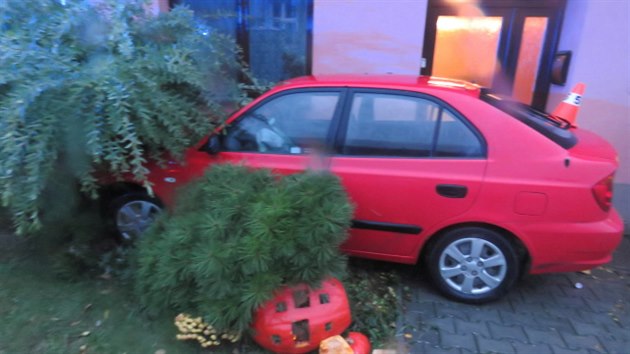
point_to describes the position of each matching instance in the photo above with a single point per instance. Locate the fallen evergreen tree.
(235, 236)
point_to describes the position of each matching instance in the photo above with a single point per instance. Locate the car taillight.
(603, 192)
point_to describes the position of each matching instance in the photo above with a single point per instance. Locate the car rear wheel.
(473, 264)
(132, 214)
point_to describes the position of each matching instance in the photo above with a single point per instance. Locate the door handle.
(452, 190)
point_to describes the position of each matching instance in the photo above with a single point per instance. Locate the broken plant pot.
(298, 318)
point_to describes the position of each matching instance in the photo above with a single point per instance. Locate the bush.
(85, 86)
(237, 235)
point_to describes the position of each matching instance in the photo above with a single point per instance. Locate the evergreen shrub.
(235, 236)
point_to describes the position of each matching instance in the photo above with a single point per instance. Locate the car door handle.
(452, 190)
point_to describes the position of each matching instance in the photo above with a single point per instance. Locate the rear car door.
(409, 163)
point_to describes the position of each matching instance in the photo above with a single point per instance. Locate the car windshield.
(554, 128)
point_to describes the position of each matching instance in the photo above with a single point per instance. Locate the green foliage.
(99, 86)
(80, 248)
(374, 301)
(235, 236)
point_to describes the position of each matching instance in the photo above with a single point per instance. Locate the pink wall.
(368, 36)
(598, 33)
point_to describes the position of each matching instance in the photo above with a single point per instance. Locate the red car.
(478, 188)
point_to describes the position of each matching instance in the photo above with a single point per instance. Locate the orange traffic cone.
(568, 109)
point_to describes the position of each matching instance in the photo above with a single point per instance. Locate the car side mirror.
(560, 68)
(213, 146)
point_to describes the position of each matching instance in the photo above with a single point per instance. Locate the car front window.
(289, 124)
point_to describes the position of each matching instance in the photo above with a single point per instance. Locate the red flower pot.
(298, 318)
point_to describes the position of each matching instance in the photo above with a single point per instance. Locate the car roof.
(401, 82)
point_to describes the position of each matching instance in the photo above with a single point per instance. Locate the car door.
(409, 162)
(284, 132)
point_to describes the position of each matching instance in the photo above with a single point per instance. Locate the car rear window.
(554, 128)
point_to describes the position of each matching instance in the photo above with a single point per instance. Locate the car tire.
(132, 213)
(473, 264)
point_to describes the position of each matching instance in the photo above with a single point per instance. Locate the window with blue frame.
(275, 35)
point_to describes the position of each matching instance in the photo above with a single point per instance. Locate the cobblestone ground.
(542, 314)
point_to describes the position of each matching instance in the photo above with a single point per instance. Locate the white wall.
(368, 36)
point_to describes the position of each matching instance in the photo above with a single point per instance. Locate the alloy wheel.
(134, 217)
(473, 266)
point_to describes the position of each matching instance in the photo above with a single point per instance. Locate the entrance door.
(507, 45)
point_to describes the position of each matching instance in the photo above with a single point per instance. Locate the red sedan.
(477, 188)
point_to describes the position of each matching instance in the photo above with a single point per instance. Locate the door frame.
(513, 13)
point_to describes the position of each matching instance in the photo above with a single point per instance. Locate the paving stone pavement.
(541, 314)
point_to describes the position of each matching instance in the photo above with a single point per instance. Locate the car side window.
(455, 139)
(390, 125)
(289, 124)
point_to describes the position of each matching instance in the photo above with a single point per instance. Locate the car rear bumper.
(569, 247)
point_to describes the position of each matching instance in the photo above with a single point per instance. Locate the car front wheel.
(133, 213)
(473, 264)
